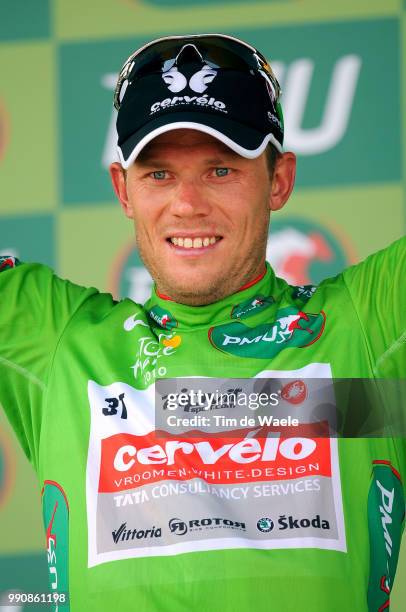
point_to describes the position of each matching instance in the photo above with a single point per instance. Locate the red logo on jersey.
(244, 455)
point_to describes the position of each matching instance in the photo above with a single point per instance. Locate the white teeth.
(193, 243)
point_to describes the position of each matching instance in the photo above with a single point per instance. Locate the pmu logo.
(386, 514)
(291, 328)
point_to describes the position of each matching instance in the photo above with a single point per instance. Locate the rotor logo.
(177, 526)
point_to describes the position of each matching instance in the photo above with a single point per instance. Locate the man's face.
(201, 215)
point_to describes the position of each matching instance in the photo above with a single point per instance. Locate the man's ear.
(283, 180)
(118, 179)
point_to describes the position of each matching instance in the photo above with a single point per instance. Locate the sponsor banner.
(28, 157)
(333, 115)
(216, 487)
(29, 238)
(25, 20)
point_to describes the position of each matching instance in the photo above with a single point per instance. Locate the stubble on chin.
(189, 290)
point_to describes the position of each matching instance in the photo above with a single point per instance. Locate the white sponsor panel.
(152, 492)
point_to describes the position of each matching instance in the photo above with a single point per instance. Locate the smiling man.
(201, 212)
(244, 503)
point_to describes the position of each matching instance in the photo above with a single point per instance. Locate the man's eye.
(222, 171)
(159, 174)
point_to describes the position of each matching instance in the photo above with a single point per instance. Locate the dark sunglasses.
(213, 49)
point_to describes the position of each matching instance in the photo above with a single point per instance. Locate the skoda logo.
(265, 525)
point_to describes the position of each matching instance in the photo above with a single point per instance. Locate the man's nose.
(189, 199)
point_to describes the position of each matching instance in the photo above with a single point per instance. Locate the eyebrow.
(148, 159)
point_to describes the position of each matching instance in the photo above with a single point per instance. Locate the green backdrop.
(342, 70)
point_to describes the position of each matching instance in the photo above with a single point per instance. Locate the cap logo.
(176, 81)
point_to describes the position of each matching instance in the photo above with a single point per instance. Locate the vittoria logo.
(122, 534)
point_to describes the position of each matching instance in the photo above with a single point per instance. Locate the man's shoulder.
(36, 287)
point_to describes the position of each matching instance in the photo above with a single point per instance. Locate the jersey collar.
(167, 314)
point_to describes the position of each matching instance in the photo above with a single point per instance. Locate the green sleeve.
(377, 287)
(35, 307)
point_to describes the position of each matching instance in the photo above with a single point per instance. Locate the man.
(149, 512)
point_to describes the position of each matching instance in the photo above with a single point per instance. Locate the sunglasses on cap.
(213, 49)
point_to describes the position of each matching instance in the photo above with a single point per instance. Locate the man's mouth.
(197, 242)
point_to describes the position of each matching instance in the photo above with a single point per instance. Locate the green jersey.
(244, 516)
